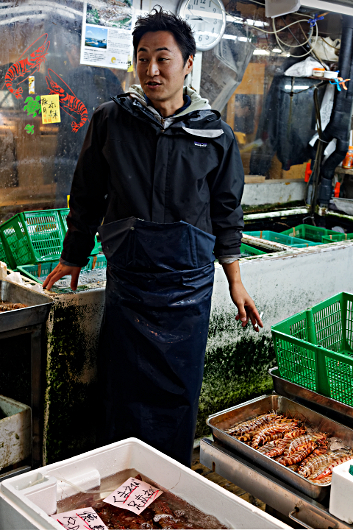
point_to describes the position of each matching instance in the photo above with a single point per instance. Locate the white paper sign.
(82, 519)
(107, 34)
(134, 495)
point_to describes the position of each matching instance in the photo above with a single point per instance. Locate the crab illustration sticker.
(50, 109)
(134, 495)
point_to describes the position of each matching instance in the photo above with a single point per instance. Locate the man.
(164, 172)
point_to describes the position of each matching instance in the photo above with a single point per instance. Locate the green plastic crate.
(314, 348)
(41, 270)
(337, 237)
(281, 238)
(246, 251)
(32, 237)
(4, 257)
(309, 232)
(63, 213)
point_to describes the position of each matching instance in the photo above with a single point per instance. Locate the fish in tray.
(292, 444)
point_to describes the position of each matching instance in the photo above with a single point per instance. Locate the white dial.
(207, 19)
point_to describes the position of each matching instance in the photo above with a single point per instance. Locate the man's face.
(160, 67)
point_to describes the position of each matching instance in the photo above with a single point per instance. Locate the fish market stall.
(237, 361)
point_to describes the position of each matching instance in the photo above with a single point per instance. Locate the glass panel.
(244, 79)
(42, 39)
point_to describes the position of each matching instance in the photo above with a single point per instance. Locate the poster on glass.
(106, 33)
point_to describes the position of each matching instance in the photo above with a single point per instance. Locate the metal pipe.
(264, 243)
(279, 213)
(343, 216)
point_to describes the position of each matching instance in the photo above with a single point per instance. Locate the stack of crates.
(41, 270)
(337, 237)
(314, 348)
(64, 212)
(246, 251)
(310, 233)
(34, 237)
(295, 242)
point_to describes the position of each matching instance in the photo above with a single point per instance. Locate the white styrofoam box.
(15, 432)
(341, 494)
(42, 492)
(3, 270)
(18, 511)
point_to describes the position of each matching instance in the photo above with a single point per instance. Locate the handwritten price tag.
(83, 519)
(134, 495)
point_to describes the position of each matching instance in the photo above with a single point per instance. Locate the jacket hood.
(197, 115)
(197, 102)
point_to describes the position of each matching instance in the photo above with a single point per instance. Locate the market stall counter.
(24, 311)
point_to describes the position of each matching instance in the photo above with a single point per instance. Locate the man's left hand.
(245, 304)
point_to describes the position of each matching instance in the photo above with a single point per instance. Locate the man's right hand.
(60, 271)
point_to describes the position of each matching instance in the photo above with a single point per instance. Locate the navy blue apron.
(154, 332)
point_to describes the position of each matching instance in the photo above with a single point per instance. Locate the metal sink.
(36, 312)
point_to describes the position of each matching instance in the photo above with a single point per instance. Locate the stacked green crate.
(281, 238)
(32, 237)
(40, 271)
(314, 348)
(247, 251)
(337, 237)
(64, 212)
(309, 232)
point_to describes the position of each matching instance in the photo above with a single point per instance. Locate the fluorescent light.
(328, 6)
(296, 87)
(261, 52)
(256, 23)
(235, 20)
(277, 50)
(234, 37)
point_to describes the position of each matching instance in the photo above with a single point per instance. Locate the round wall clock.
(207, 19)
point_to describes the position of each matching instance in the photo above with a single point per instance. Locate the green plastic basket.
(40, 271)
(314, 348)
(337, 237)
(247, 251)
(63, 213)
(281, 238)
(32, 237)
(3, 256)
(309, 232)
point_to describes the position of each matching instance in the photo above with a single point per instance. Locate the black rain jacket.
(132, 165)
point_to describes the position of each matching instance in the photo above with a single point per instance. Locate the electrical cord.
(319, 153)
(276, 31)
(279, 41)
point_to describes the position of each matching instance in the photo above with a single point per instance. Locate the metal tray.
(36, 312)
(261, 405)
(324, 405)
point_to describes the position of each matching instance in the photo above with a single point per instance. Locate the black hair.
(159, 20)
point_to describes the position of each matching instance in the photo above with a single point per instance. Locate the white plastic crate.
(25, 506)
(15, 432)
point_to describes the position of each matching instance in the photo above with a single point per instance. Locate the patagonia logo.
(199, 144)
